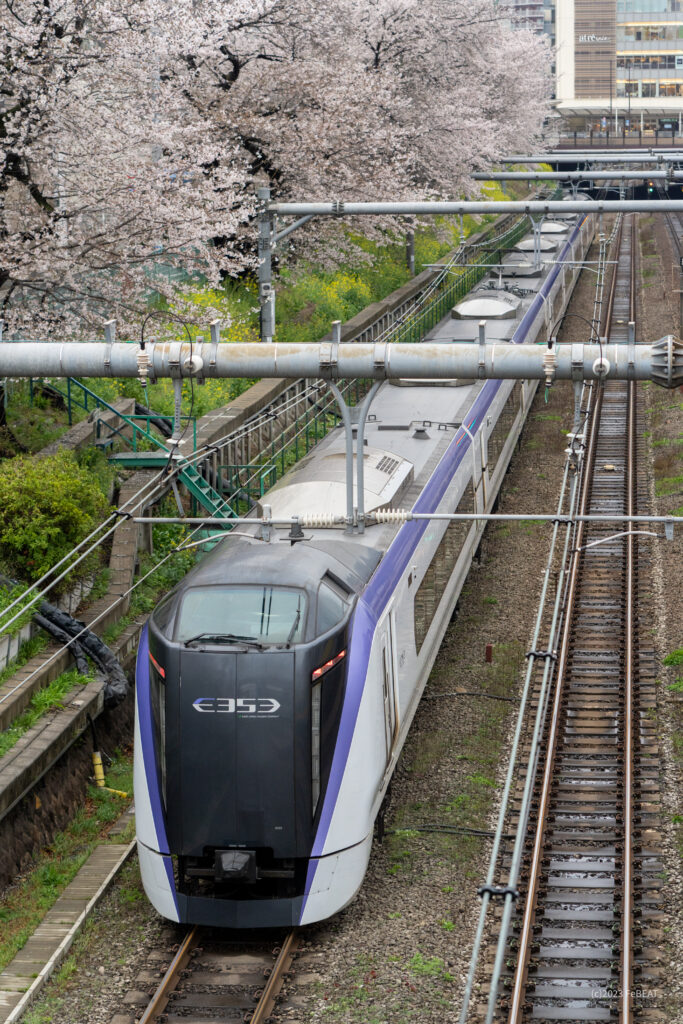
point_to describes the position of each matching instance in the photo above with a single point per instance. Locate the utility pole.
(266, 293)
(410, 251)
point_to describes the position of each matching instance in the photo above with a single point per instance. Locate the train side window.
(331, 608)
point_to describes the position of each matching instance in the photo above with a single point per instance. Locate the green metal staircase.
(207, 496)
(209, 499)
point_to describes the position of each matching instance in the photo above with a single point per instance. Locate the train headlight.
(316, 703)
(322, 669)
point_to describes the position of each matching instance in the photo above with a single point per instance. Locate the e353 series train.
(277, 683)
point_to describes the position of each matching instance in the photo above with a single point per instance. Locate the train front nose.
(233, 781)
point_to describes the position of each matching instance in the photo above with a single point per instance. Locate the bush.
(46, 507)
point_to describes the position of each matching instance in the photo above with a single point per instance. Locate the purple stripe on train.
(149, 758)
(376, 596)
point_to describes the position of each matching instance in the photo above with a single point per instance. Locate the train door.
(389, 687)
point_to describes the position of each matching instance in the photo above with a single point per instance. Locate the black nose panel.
(236, 745)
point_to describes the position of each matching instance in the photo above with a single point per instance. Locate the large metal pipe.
(617, 174)
(599, 156)
(537, 206)
(661, 361)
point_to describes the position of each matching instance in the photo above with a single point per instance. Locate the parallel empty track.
(583, 945)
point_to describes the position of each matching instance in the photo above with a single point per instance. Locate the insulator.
(319, 519)
(391, 515)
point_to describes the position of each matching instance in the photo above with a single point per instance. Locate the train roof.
(244, 559)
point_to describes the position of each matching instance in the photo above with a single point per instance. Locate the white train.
(277, 683)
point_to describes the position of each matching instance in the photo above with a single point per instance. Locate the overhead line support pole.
(265, 267)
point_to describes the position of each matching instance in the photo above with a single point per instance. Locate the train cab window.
(163, 614)
(267, 615)
(332, 608)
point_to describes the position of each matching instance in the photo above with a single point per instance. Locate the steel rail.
(168, 983)
(405, 516)
(275, 979)
(613, 175)
(656, 155)
(525, 938)
(582, 415)
(535, 748)
(627, 898)
(266, 998)
(526, 932)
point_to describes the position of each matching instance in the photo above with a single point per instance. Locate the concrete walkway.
(25, 976)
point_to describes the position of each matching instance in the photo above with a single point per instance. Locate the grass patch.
(669, 485)
(35, 424)
(48, 699)
(675, 658)
(8, 595)
(28, 650)
(430, 967)
(25, 904)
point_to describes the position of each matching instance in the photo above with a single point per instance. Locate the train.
(277, 682)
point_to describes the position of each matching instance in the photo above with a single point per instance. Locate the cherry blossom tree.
(134, 133)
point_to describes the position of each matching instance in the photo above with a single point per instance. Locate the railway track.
(674, 224)
(211, 978)
(583, 936)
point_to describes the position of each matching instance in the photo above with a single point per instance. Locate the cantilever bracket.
(355, 515)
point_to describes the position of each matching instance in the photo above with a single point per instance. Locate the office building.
(619, 64)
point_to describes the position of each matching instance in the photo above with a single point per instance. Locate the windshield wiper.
(295, 625)
(224, 638)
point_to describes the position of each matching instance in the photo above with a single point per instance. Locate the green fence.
(458, 282)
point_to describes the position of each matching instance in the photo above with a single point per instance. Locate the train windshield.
(266, 615)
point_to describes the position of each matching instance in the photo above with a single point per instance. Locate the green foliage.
(675, 658)
(46, 507)
(94, 462)
(8, 595)
(27, 650)
(167, 571)
(669, 485)
(431, 967)
(45, 700)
